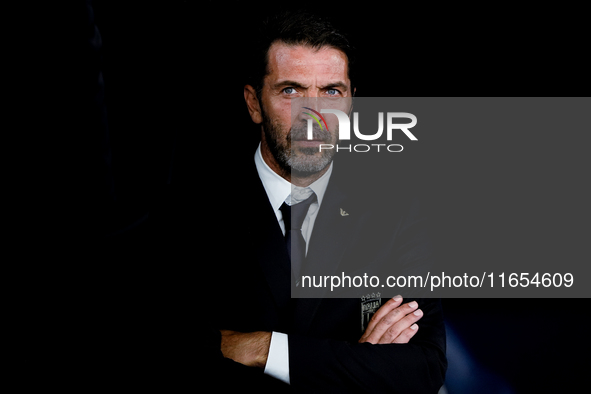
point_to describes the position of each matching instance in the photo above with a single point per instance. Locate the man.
(315, 344)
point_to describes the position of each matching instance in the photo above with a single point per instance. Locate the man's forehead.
(303, 61)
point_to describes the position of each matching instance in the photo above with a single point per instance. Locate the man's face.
(301, 71)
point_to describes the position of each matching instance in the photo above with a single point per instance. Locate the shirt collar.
(278, 189)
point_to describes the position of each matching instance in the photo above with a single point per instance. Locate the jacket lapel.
(333, 229)
(268, 245)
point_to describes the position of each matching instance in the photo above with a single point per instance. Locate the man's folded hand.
(394, 322)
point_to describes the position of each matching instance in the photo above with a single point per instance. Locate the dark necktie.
(293, 217)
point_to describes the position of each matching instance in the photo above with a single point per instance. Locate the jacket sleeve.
(328, 365)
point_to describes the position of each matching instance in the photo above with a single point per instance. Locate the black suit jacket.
(253, 277)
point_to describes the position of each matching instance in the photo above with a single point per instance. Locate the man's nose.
(311, 101)
(307, 105)
(312, 93)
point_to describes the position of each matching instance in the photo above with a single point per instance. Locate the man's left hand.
(248, 348)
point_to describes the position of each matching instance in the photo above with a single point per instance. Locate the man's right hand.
(394, 322)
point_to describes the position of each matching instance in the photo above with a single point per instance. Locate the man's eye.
(332, 92)
(289, 90)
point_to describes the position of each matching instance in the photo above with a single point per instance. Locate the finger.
(380, 313)
(407, 334)
(389, 320)
(390, 335)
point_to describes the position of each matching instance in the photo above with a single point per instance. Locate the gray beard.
(304, 162)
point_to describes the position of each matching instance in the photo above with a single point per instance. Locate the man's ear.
(253, 105)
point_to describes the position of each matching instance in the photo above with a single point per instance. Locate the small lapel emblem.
(343, 213)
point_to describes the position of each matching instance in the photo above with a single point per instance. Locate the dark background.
(173, 123)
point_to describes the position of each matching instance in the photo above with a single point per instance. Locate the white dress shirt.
(279, 191)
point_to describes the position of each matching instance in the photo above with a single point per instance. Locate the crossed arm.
(394, 322)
